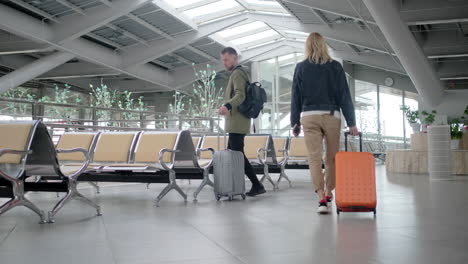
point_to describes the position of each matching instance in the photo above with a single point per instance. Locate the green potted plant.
(413, 117)
(61, 96)
(429, 118)
(456, 133)
(18, 93)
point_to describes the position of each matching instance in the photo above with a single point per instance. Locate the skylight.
(197, 9)
(258, 36)
(296, 33)
(264, 3)
(244, 36)
(282, 58)
(181, 3)
(241, 29)
(211, 8)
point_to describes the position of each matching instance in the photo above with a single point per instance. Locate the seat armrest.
(286, 156)
(85, 163)
(206, 150)
(265, 153)
(11, 151)
(161, 157)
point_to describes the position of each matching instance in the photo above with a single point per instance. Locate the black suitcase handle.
(346, 134)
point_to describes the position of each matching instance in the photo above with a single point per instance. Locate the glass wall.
(378, 113)
(276, 75)
(391, 117)
(366, 105)
(267, 78)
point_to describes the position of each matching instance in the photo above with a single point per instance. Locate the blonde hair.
(316, 49)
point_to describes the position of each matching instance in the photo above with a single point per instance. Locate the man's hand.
(353, 131)
(223, 110)
(296, 130)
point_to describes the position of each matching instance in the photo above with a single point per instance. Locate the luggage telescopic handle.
(346, 140)
(219, 135)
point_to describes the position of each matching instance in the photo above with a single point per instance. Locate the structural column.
(411, 56)
(33, 70)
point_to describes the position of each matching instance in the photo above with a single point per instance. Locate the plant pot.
(455, 144)
(416, 127)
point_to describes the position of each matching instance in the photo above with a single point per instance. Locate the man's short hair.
(229, 50)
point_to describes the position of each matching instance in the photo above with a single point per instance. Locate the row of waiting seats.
(27, 153)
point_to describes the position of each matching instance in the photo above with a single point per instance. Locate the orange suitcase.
(355, 180)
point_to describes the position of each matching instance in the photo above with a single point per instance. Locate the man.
(237, 125)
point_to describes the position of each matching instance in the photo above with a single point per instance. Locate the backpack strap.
(239, 67)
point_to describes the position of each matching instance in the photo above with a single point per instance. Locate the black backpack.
(255, 97)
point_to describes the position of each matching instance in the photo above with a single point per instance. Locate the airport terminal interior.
(110, 132)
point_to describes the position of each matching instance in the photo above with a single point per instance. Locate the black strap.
(239, 67)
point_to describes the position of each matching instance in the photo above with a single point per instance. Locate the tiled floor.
(418, 221)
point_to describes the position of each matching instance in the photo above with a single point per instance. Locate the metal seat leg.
(68, 197)
(90, 203)
(180, 191)
(171, 186)
(72, 194)
(26, 203)
(283, 176)
(266, 175)
(9, 205)
(20, 200)
(15, 202)
(163, 193)
(206, 181)
(95, 185)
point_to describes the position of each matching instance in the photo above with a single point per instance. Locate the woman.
(320, 93)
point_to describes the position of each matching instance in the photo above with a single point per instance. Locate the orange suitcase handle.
(346, 134)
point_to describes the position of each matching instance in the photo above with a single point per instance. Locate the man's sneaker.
(323, 208)
(329, 200)
(256, 190)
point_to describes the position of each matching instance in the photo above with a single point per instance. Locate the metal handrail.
(156, 117)
(11, 100)
(54, 125)
(367, 136)
(139, 120)
(116, 120)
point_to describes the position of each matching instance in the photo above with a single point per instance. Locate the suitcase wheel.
(231, 197)
(338, 211)
(243, 196)
(218, 197)
(375, 212)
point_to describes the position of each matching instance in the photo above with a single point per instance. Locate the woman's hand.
(296, 130)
